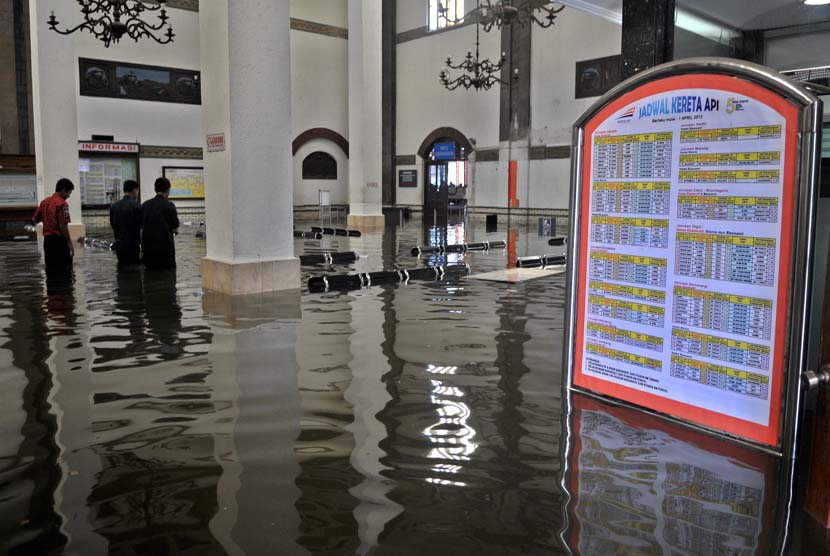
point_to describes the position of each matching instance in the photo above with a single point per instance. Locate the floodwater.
(139, 416)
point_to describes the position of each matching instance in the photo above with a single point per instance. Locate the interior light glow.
(816, 2)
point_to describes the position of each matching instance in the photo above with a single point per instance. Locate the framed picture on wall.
(186, 182)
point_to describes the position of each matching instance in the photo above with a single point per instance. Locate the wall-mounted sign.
(215, 142)
(99, 147)
(684, 261)
(185, 182)
(444, 151)
(407, 178)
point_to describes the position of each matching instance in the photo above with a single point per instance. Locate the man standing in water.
(125, 219)
(159, 221)
(54, 213)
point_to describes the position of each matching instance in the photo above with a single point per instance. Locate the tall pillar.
(246, 108)
(647, 34)
(54, 65)
(365, 114)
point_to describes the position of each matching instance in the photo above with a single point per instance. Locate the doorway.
(446, 179)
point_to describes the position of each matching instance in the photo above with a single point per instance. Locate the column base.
(77, 230)
(366, 222)
(244, 278)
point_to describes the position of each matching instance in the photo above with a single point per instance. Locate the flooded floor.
(138, 416)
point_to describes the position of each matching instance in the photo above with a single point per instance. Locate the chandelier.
(109, 20)
(477, 73)
(505, 12)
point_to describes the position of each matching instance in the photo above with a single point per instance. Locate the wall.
(319, 83)
(797, 51)
(319, 89)
(425, 105)
(305, 191)
(554, 106)
(141, 121)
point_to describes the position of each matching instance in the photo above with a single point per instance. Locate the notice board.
(687, 187)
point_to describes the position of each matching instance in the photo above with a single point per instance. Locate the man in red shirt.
(54, 213)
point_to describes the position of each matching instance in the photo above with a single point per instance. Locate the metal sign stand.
(640, 97)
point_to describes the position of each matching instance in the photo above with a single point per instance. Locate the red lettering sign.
(215, 142)
(130, 148)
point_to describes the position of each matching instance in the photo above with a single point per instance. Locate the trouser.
(56, 253)
(128, 255)
(159, 260)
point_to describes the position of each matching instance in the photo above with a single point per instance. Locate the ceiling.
(740, 14)
(757, 14)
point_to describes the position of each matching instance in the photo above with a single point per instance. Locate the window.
(319, 166)
(454, 11)
(102, 179)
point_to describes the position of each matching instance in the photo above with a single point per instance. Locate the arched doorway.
(446, 171)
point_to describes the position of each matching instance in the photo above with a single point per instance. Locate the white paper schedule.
(683, 227)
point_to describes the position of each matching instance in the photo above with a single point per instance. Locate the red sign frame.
(771, 433)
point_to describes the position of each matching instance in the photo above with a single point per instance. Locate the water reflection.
(29, 473)
(639, 485)
(139, 416)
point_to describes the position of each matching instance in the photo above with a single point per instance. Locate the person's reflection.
(164, 315)
(639, 484)
(60, 301)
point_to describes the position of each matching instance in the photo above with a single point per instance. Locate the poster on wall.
(185, 182)
(684, 249)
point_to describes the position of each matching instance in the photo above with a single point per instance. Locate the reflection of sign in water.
(639, 485)
(185, 183)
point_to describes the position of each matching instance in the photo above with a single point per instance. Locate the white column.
(365, 125)
(54, 86)
(246, 96)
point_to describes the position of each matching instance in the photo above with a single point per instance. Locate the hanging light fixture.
(504, 12)
(476, 73)
(109, 20)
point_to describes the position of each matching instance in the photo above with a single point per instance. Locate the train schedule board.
(686, 286)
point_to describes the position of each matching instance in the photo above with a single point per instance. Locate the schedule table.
(608, 333)
(634, 269)
(731, 159)
(747, 133)
(616, 355)
(643, 155)
(729, 176)
(632, 197)
(628, 292)
(735, 314)
(630, 311)
(737, 209)
(749, 260)
(717, 376)
(722, 349)
(641, 232)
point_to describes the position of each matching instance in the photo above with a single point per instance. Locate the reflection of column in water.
(71, 368)
(28, 448)
(254, 367)
(368, 395)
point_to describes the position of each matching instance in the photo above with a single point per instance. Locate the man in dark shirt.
(54, 213)
(125, 219)
(158, 222)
